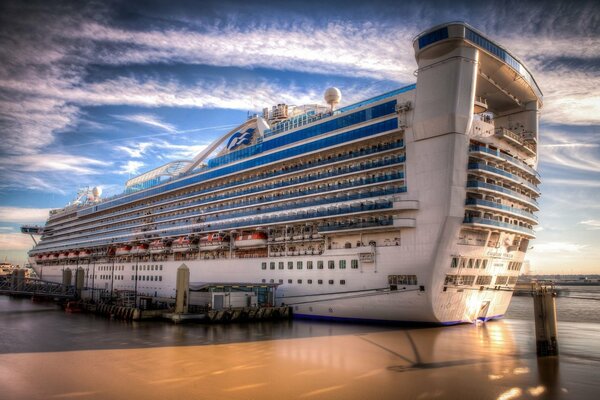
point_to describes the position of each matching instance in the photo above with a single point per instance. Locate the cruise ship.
(415, 205)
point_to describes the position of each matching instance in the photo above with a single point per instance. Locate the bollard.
(79, 279)
(182, 291)
(544, 306)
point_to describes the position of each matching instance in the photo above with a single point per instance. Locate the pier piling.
(544, 306)
(183, 289)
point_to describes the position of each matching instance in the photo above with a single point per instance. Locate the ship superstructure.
(415, 205)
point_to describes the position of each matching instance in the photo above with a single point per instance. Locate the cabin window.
(280, 264)
(354, 264)
(289, 281)
(331, 281)
(320, 281)
(342, 282)
(331, 264)
(299, 280)
(454, 263)
(309, 265)
(264, 265)
(299, 265)
(272, 265)
(342, 264)
(290, 265)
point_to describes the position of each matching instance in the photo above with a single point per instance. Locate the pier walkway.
(21, 286)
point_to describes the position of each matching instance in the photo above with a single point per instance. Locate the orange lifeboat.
(63, 256)
(53, 256)
(214, 241)
(73, 254)
(183, 245)
(140, 249)
(85, 254)
(158, 247)
(123, 250)
(255, 239)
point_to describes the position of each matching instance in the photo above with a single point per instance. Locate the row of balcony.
(504, 225)
(515, 178)
(383, 148)
(499, 189)
(514, 161)
(512, 210)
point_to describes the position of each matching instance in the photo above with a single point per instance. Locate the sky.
(93, 93)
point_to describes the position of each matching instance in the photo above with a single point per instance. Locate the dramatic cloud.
(130, 168)
(147, 119)
(23, 215)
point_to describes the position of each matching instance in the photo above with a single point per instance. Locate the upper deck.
(507, 81)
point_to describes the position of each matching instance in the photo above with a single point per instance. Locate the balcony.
(511, 210)
(497, 171)
(477, 221)
(499, 189)
(514, 161)
(517, 140)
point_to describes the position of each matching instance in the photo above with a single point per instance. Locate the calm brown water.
(46, 353)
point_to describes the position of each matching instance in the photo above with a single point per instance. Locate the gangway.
(13, 285)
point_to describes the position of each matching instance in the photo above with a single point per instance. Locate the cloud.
(586, 183)
(15, 241)
(147, 119)
(557, 247)
(77, 165)
(571, 150)
(591, 224)
(130, 168)
(22, 215)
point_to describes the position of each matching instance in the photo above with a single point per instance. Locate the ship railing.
(505, 225)
(515, 139)
(508, 158)
(257, 221)
(496, 188)
(379, 179)
(338, 198)
(513, 210)
(355, 155)
(498, 171)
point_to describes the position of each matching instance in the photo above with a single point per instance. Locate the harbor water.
(46, 353)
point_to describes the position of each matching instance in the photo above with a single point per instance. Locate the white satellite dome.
(333, 96)
(97, 191)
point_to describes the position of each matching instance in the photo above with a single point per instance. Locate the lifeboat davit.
(255, 239)
(123, 251)
(183, 245)
(73, 254)
(158, 247)
(214, 241)
(140, 249)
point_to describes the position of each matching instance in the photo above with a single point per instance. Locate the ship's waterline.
(415, 205)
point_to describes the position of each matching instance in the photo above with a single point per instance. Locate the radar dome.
(333, 96)
(97, 191)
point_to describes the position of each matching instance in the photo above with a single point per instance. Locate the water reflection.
(98, 359)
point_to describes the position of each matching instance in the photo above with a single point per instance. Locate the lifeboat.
(85, 254)
(158, 247)
(63, 256)
(39, 257)
(183, 245)
(53, 256)
(73, 254)
(123, 250)
(140, 249)
(255, 239)
(214, 241)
